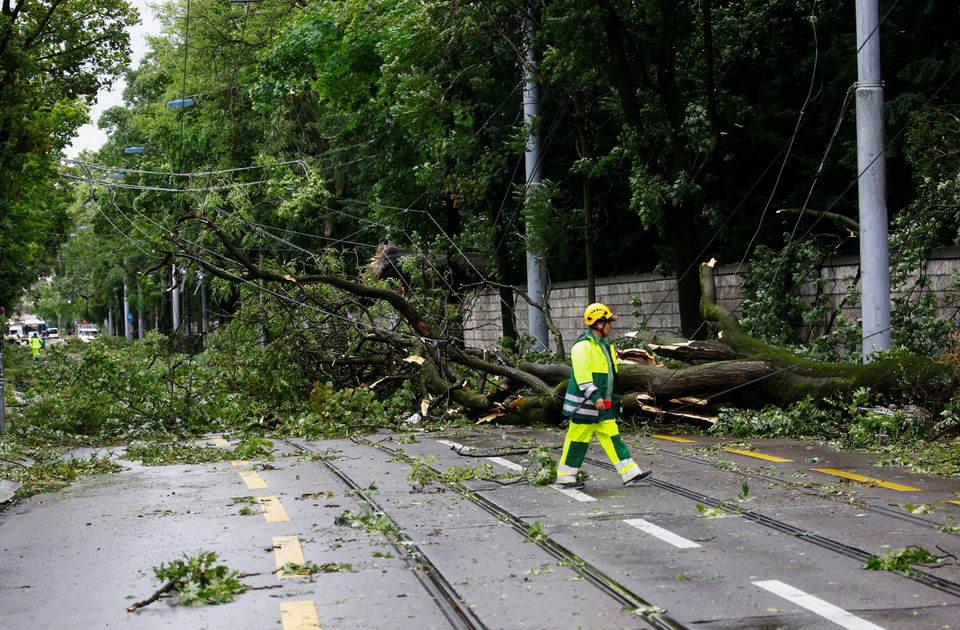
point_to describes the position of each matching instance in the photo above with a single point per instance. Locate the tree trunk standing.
(589, 238)
(678, 216)
(681, 232)
(589, 241)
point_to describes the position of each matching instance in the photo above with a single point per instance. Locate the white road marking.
(456, 445)
(665, 535)
(506, 463)
(816, 605)
(574, 494)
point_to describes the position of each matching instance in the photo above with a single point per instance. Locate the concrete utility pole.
(872, 185)
(536, 265)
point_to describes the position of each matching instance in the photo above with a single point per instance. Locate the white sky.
(89, 136)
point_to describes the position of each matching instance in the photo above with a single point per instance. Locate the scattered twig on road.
(166, 588)
(462, 452)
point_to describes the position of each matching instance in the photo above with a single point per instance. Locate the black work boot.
(636, 479)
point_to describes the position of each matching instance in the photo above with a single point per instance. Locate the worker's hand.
(600, 404)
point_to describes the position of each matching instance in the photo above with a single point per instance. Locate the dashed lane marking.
(837, 615)
(769, 458)
(506, 463)
(286, 549)
(663, 534)
(300, 615)
(219, 442)
(253, 480)
(672, 438)
(273, 510)
(869, 480)
(574, 494)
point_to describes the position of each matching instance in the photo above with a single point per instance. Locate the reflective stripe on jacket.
(594, 377)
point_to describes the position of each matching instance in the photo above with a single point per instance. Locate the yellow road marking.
(219, 442)
(239, 462)
(253, 480)
(273, 510)
(299, 616)
(672, 439)
(954, 502)
(769, 458)
(869, 480)
(287, 549)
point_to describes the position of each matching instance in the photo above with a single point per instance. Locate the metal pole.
(536, 266)
(139, 312)
(3, 336)
(175, 298)
(127, 319)
(871, 169)
(204, 300)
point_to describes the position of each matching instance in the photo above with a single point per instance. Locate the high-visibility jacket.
(36, 343)
(595, 377)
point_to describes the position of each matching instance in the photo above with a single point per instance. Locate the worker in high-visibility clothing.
(592, 402)
(35, 344)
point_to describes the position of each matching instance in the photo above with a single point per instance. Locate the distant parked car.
(53, 333)
(87, 334)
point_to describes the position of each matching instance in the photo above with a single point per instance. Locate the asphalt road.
(787, 553)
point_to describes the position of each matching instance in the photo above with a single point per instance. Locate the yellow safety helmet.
(596, 312)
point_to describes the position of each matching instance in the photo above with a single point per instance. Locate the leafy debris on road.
(310, 568)
(904, 560)
(195, 581)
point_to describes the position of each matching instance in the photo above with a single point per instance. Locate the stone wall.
(656, 298)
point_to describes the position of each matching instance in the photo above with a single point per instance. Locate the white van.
(88, 333)
(14, 333)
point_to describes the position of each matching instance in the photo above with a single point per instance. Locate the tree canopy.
(55, 56)
(672, 131)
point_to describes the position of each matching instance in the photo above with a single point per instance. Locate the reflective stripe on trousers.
(577, 442)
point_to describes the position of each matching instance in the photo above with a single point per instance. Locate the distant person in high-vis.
(35, 344)
(592, 402)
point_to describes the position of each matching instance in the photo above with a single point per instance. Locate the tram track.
(942, 584)
(803, 489)
(619, 593)
(927, 579)
(453, 607)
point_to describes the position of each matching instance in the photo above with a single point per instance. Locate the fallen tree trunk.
(734, 368)
(741, 370)
(793, 378)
